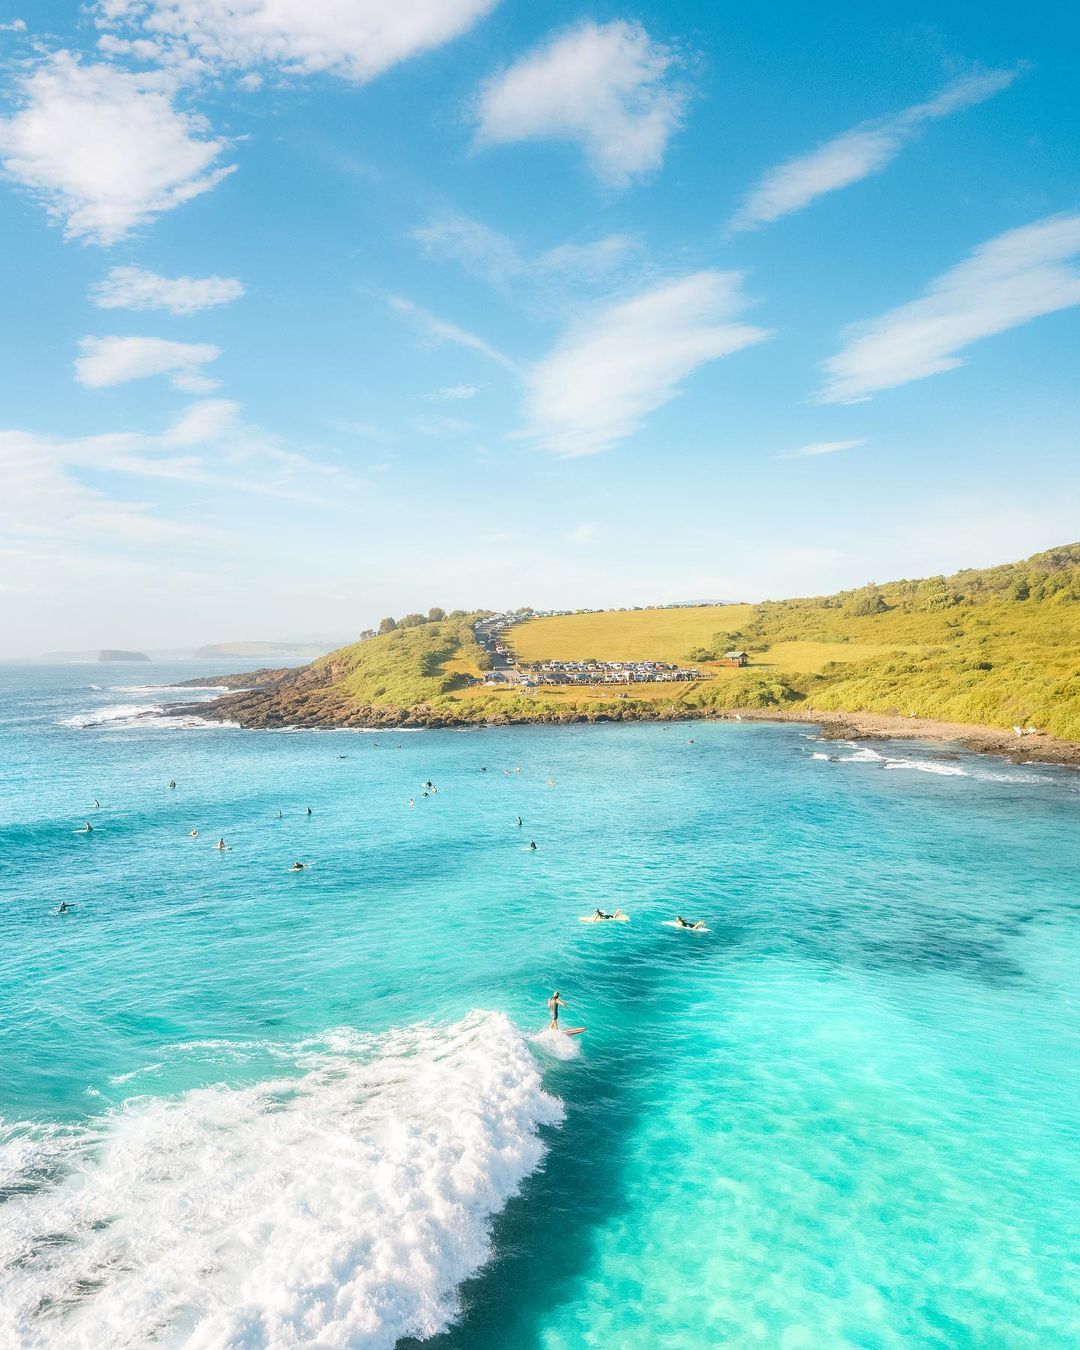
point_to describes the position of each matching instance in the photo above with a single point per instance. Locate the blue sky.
(316, 313)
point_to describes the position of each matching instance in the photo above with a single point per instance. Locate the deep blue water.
(248, 1107)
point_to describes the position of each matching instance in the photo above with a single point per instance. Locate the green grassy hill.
(997, 646)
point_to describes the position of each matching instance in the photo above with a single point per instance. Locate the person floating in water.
(194, 834)
(298, 867)
(554, 1003)
(411, 802)
(680, 922)
(220, 845)
(532, 845)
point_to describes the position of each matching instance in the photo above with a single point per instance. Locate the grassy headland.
(994, 647)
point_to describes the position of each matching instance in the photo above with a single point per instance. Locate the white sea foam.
(557, 1044)
(118, 712)
(928, 766)
(337, 1206)
(142, 715)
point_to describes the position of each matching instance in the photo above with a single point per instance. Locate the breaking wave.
(866, 755)
(339, 1205)
(142, 715)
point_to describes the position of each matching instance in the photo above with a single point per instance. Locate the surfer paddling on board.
(680, 922)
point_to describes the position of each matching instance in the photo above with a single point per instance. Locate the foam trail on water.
(337, 1207)
(557, 1044)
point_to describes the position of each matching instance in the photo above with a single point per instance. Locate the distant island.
(116, 654)
(989, 656)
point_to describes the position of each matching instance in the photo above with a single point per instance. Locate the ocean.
(242, 1106)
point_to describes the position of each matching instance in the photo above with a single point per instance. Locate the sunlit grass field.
(627, 635)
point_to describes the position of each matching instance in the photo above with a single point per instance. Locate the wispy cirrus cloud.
(354, 39)
(138, 288)
(438, 330)
(106, 150)
(629, 357)
(454, 393)
(820, 448)
(608, 87)
(1007, 281)
(496, 259)
(856, 154)
(107, 361)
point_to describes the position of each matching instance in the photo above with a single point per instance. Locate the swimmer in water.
(554, 1003)
(220, 846)
(411, 802)
(298, 867)
(194, 834)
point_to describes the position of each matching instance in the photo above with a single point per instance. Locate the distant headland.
(987, 656)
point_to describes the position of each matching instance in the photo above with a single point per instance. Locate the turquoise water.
(248, 1107)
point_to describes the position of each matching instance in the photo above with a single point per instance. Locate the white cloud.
(628, 358)
(858, 153)
(1004, 283)
(15, 26)
(584, 534)
(115, 360)
(455, 392)
(496, 259)
(105, 150)
(820, 448)
(203, 422)
(356, 39)
(593, 260)
(438, 330)
(139, 288)
(604, 86)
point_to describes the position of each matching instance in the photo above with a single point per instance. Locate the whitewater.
(243, 1108)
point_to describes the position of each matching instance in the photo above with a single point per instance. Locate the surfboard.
(591, 918)
(670, 923)
(573, 1031)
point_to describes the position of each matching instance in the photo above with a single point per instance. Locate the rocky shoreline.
(271, 699)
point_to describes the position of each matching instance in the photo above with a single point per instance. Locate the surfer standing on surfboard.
(554, 1004)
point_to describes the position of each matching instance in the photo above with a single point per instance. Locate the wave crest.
(339, 1206)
